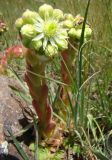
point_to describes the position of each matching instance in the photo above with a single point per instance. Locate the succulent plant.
(45, 34)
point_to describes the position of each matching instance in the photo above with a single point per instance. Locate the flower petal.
(57, 39)
(40, 36)
(62, 43)
(61, 36)
(38, 24)
(38, 29)
(45, 43)
(40, 20)
(53, 42)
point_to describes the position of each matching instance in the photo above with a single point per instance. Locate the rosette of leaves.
(43, 31)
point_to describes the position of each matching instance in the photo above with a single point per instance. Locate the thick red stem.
(39, 92)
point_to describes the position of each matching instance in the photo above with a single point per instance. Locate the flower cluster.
(47, 31)
(43, 31)
(74, 26)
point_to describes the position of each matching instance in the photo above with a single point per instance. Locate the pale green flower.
(28, 31)
(88, 32)
(45, 11)
(68, 17)
(68, 24)
(51, 51)
(76, 33)
(29, 16)
(44, 29)
(58, 14)
(62, 44)
(74, 26)
(19, 23)
(36, 45)
(72, 32)
(51, 31)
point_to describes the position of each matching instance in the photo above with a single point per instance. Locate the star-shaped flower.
(43, 31)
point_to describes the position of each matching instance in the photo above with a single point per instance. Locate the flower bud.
(62, 44)
(45, 11)
(28, 31)
(51, 51)
(19, 23)
(88, 32)
(75, 33)
(68, 24)
(29, 16)
(64, 33)
(69, 17)
(72, 32)
(36, 45)
(58, 14)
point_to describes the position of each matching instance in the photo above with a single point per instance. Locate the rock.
(10, 108)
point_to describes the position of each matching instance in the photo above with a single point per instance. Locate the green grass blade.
(23, 95)
(79, 74)
(47, 78)
(18, 79)
(80, 46)
(36, 139)
(19, 148)
(92, 126)
(100, 155)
